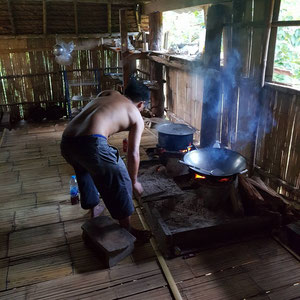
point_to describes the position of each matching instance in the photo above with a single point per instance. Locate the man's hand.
(137, 190)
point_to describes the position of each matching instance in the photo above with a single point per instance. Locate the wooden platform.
(42, 255)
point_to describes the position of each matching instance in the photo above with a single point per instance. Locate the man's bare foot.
(142, 236)
(97, 210)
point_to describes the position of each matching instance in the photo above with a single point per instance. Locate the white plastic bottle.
(74, 191)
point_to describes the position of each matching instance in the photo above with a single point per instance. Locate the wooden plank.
(30, 164)
(3, 273)
(17, 201)
(43, 173)
(75, 16)
(71, 212)
(109, 18)
(11, 17)
(42, 266)
(6, 221)
(44, 17)
(3, 245)
(43, 184)
(237, 286)
(32, 217)
(101, 284)
(36, 239)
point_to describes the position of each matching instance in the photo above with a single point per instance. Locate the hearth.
(187, 212)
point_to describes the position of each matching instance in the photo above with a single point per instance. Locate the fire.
(197, 176)
(188, 149)
(224, 180)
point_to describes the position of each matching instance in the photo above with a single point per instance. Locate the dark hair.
(137, 91)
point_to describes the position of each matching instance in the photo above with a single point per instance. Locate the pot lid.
(175, 129)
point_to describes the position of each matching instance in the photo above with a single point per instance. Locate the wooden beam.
(44, 17)
(285, 23)
(123, 29)
(156, 70)
(137, 17)
(11, 18)
(132, 2)
(155, 31)
(109, 18)
(124, 47)
(73, 35)
(166, 5)
(75, 17)
(267, 41)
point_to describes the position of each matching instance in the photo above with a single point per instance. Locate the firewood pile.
(259, 199)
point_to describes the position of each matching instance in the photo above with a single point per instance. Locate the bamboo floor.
(42, 255)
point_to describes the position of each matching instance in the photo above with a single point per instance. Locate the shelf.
(82, 98)
(82, 83)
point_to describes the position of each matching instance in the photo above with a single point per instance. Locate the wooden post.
(129, 65)
(211, 93)
(156, 69)
(75, 17)
(155, 31)
(273, 37)
(44, 17)
(109, 18)
(11, 18)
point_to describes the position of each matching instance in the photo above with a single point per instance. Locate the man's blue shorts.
(98, 167)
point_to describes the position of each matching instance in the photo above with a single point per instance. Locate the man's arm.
(133, 157)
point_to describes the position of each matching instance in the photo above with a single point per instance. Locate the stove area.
(188, 211)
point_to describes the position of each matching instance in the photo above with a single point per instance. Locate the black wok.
(215, 161)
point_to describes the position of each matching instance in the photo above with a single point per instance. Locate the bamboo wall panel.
(278, 140)
(185, 95)
(34, 77)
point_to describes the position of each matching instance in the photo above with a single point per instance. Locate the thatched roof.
(37, 17)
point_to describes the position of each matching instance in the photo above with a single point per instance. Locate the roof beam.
(75, 17)
(11, 18)
(44, 17)
(105, 1)
(84, 35)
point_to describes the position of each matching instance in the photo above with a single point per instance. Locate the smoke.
(241, 103)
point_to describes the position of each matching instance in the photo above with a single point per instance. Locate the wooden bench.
(5, 120)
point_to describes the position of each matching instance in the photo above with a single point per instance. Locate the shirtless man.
(98, 166)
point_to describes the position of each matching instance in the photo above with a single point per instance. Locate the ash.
(188, 211)
(180, 210)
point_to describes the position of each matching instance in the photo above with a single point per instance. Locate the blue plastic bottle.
(74, 191)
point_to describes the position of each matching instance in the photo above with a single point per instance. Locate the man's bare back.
(106, 115)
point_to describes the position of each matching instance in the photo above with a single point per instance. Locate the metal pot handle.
(200, 170)
(244, 171)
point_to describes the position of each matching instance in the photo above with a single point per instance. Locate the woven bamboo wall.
(61, 17)
(241, 110)
(278, 143)
(34, 77)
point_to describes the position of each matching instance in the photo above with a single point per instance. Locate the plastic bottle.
(74, 191)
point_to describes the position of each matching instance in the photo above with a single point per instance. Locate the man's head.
(138, 93)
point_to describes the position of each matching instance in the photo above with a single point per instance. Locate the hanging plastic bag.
(62, 52)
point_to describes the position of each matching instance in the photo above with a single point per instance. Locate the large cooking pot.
(174, 136)
(215, 161)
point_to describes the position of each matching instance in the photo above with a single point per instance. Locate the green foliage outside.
(287, 51)
(188, 28)
(184, 28)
